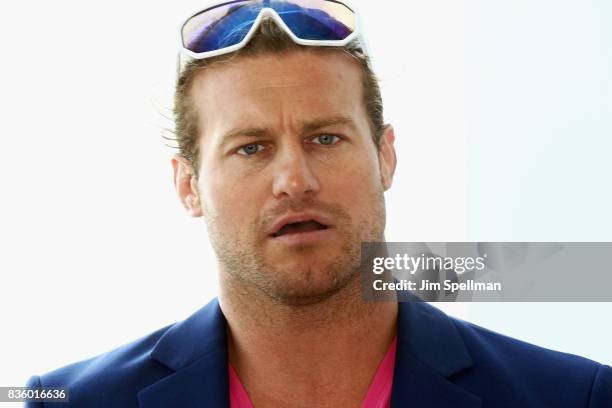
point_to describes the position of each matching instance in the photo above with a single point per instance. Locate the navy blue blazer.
(440, 362)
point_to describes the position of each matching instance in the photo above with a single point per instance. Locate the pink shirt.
(378, 396)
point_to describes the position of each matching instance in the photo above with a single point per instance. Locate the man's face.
(290, 179)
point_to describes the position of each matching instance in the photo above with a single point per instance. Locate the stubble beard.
(242, 257)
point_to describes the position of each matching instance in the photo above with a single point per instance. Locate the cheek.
(356, 186)
(230, 197)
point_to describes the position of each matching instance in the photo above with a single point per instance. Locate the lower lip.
(308, 237)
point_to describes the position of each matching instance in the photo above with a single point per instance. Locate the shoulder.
(115, 378)
(543, 374)
(485, 344)
(111, 376)
(500, 370)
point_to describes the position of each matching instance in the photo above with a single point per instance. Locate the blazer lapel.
(429, 351)
(196, 349)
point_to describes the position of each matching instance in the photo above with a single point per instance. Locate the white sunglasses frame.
(268, 12)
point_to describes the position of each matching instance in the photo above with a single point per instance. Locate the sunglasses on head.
(228, 26)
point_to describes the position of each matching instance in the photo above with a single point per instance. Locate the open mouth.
(299, 227)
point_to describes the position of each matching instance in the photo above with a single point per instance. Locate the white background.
(503, 119)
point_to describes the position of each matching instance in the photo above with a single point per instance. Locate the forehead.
(273, 90)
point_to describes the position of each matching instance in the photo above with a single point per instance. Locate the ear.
(386, 156)
(185, 182)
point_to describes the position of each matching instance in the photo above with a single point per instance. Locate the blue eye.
(250, 149)
(326, 139)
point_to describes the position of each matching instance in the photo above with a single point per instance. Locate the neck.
(320, 353)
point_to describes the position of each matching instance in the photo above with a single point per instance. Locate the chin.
(302, 285)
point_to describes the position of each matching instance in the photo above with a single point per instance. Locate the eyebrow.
(324, 122)
(310, 126)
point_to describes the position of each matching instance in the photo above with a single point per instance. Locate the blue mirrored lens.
(228, 24)
(220, 27)
(310, 23)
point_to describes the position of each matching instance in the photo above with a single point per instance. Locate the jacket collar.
(196, 349)
(187, 341)
(430, 349)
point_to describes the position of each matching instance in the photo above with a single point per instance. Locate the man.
(284, 154)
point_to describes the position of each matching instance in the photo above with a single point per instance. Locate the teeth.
(297, 227)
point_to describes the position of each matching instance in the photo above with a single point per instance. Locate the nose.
(294, 176)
